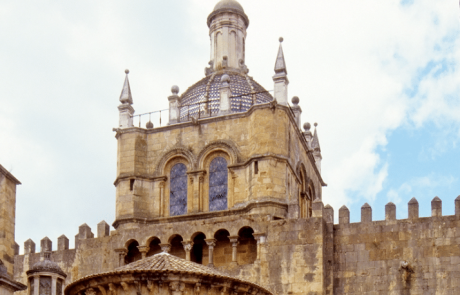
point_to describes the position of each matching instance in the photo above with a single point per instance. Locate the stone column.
(162, 198)
(200, 192)
(165, 247)
(188, 245)
(121, 256)
(36, 285)
(211, 244)
(260, 238)
(234, 241)
(144, 250)
(53, 285)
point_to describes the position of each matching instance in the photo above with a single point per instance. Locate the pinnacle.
(280, 65)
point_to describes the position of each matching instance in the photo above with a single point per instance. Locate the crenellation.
(436, 207)
(63, 243)
(412, 207)
(29, 247)
(46, 245)
(344, 215)
(103, 229)
(390, 211)
(366, 213)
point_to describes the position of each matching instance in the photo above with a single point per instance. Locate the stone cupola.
(46, 277)
(227, 30)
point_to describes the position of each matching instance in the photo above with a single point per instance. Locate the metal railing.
(198, 110)
(156, 115)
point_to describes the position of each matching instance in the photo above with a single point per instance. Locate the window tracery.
(218, 184)
(178, 190)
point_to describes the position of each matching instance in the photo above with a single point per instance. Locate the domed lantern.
(46, 277)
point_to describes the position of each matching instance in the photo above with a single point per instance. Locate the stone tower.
(8, 247)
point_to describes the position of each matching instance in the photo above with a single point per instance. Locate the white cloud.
(350, 62)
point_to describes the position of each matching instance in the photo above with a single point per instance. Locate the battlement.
(390, 212)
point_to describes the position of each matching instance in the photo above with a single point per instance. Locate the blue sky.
(380, 77)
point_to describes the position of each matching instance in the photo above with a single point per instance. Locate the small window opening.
(131, 184)
(256, 167)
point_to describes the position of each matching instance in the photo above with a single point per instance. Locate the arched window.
(218, 184)
(178, 190)
(133, 253)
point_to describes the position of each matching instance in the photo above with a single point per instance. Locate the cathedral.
(226, 198)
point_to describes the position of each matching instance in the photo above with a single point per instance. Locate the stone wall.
(408, 256)
(263, 147)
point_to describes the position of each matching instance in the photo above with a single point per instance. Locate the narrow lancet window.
(218, 184)
(178, 190)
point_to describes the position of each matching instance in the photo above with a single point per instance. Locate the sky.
(381, 78)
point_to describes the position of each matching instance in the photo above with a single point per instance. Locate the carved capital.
(188, 245)
(260, 237)
(165, 247)
(234, 240)
(125, 286)
(90, 291)
(143, 249)
(211, 243)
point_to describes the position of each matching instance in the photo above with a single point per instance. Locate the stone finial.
(280, 78)
(457, 206)
(46, 245)
(297, 111)
(225, 79)
(366, 213)
(63, 243)
(280, 64)
(174, 106)
(29, 247)
(390, 211)
(295, 100)
(306, 126)
(175, 90)
(149, 125)
(413, 208)
(436, 207)
(103, 229)
(329, 213)
(316, 149)
(344, 215)
(125, 96)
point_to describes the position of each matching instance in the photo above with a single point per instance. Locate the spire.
(316, 149)
(126, 97)
(315, 142)
(281, 81)
(280, 65)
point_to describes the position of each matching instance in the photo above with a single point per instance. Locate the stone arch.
(247, 247)
(199, 253)
(133, 251)
(177, 249)
(225, 146)
(223, 250)
(177, 152)
(154, 245)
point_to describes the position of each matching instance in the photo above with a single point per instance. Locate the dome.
(244, 90)
(46, 265)
(159, 266)
(228, 4)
